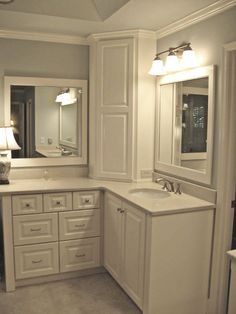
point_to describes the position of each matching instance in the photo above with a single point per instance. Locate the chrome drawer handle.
(37, 262)
(122, 211)
(80, 255)
(27, 205)
(38, 229)
(80, 226)
(119, 209)
(87, 200)
(58, 203)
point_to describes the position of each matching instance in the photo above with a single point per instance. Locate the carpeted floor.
(96, 294)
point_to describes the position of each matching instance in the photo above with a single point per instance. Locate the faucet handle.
(178, 189)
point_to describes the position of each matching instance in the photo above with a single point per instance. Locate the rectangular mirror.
(184, 124)
(49, 119)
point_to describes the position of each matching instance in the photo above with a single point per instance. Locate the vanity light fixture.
(7, 142)
(178, 57)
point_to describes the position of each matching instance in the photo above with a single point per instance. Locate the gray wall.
(208, 38)
(41, 59)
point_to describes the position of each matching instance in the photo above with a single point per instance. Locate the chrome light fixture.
(178, 58)
(7, 142)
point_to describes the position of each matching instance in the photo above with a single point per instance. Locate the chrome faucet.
(168, 185)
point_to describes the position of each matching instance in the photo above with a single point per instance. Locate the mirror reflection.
(183, 123)
(46, 120)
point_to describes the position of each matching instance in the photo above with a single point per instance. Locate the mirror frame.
(178, 171)
(82, 132)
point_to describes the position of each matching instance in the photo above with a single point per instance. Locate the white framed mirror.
(185, 124)
(49, 120)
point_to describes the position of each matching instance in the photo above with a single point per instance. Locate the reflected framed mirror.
(49, 120)
(185, 124)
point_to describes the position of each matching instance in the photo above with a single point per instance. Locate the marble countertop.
(172, 204)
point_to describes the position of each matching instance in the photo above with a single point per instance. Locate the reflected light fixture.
(178, 57)
(66, 97)
(6, 1)
(7, 142)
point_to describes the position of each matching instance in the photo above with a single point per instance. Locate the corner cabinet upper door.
(112, 235)
(115, 108)
(133, 252)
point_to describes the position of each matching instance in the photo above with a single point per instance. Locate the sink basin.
(149, 193)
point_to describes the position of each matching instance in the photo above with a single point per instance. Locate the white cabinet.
(50, 233)
(124, 235)
(122, 98)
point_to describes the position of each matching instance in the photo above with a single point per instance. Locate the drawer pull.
(87, 200)
(58, 203)
(37, 262)
(80, 226)
(38, 229)
(27, 205)
(80, 255)
(118, 209)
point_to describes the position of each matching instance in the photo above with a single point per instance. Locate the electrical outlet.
(50, 140)
(42, 140)
(146, 173)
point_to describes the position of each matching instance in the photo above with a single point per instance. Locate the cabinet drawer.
(27, 204)
(79, 224)
(36, 228)
(57, 202)
(36, 260)
(79, 254)
(86, 199)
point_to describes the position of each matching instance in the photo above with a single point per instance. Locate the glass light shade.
(67, 97)
(7, 140)
(189, 59)
(172, 62)
(157, 67)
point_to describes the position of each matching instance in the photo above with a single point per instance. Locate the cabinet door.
(112, 235)
(133, 237)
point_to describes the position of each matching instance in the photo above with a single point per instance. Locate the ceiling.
(84, 17)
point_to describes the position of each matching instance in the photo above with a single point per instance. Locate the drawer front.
(36, 260)
(38, 228)
(79, 224)
(27, 204)
(57, 202)
(79, 254)
(86, 199)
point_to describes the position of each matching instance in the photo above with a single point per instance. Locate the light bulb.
(157, 67)
(172, 63)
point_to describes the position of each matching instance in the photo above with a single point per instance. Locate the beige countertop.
(172, 204)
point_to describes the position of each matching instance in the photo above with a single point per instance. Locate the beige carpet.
(96, 294)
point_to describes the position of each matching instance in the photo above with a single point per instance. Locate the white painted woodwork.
(124, 240)
(86, 199)
(178, 263)
(79, 254)
(35, 228)
(27, 204)
(36, 260)
(122, 97)
(114, 108)
(232, 288)
(133, 244)
(57, 201)
(112, 235)
(79, 224)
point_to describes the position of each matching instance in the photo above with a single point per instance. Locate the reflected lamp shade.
(7, 142)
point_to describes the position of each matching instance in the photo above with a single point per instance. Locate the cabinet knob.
(122, 211)
(86, 200)
(58, 203)
(118, 209)
(27, 205)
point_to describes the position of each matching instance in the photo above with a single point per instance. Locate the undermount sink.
(149, 193)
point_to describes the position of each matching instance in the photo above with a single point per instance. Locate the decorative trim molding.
(196, 17)
(136, 33)
(230, 46)
(47, 37)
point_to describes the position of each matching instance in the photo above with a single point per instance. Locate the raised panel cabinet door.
(54, 202)
(133, 242)
(27, 204)
(112, 235)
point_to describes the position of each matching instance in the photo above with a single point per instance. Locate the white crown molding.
(196, 17)
(136, 33)
(47, 37)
